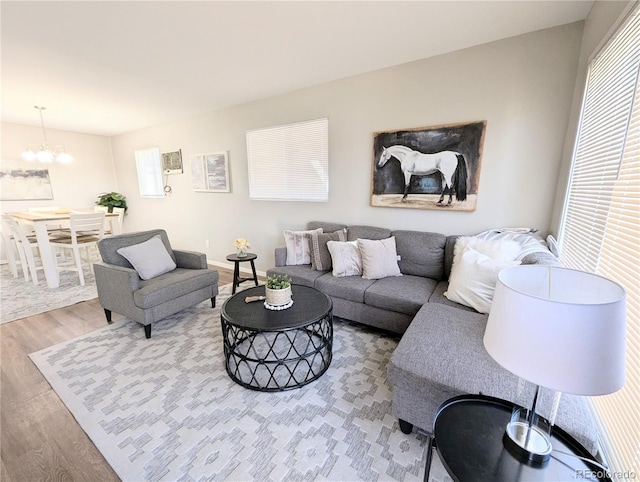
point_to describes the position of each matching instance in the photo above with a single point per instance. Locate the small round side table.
(237, 280)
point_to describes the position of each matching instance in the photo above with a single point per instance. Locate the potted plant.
(278, 290)
(112, 200)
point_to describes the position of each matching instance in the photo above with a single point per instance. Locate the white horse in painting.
(451, 166)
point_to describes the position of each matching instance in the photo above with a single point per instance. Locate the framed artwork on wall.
(210, 172)
(24, 183)
(428, 167)
(172, 162)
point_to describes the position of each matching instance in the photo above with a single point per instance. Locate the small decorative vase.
(242, 253)
(278, 297)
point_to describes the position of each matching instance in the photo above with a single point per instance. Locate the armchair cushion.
(172, 285)
(149, 258)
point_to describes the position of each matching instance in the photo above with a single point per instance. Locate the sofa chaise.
(441, 352)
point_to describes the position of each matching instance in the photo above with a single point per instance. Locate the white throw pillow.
(379, 258)
(299, 246)
(345, 258)
(495, 249)
(473, 279)
(150, 258)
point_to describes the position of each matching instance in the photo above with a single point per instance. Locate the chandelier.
(45, 153)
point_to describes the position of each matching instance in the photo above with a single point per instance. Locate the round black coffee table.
(272, 351)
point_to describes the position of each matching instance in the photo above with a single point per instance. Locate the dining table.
(41, 222)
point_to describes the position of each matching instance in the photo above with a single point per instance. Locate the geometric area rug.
(19, 298)
(165, 408)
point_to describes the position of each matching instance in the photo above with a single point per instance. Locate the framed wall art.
(428, 167)
(210, 172)
(172, 162)
(24, 183)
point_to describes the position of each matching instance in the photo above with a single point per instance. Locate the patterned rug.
(19, 298)
(165, 408)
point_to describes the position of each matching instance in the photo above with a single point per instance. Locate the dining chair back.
(86, 231)
(24, 245)
(112, 226)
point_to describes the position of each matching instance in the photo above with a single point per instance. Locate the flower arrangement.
(241, 245)
(278, 281)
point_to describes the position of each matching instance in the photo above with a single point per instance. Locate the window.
(600, 228)
(149, 172)
(289, 162)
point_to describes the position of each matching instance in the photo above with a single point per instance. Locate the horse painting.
(451, 166)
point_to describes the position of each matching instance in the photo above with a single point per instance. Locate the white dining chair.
(10, 248)
(110, 221)
(25, 246)
(86, 231)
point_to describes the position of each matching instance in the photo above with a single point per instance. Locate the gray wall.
(522, 86)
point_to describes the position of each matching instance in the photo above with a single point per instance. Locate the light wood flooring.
(39, 438)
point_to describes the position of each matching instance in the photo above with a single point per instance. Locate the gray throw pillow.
(150, 258)
(320, 255)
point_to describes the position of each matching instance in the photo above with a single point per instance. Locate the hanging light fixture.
(45, 153)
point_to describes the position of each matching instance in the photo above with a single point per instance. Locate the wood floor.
(39, 439)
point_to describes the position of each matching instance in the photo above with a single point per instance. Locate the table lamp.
(557, 328)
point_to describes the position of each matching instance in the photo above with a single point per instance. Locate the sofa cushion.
(379, 258)
(421, 254)
(350, 288)
(320, 255)
(367, 232)
(149, 258)
(172, 285)
(345, 258)
(300, 275)
(299, 246)
(405, 294)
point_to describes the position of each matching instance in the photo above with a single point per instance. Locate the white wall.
(599, 25)
(74, 185)
(522, 86)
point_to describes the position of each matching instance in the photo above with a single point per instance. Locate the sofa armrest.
(190, 259)
(281, 256)
(116, 285)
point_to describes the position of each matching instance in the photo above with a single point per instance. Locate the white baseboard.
(230, 266)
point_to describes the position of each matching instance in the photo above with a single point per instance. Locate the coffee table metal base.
(271, 361)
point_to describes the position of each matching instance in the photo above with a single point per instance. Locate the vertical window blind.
(600, 228)
(289, 162)
(149, 168)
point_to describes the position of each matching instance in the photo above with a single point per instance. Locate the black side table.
(468, 434)
(236, 269)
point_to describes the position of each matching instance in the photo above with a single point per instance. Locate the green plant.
(112, 200)
(278, 281)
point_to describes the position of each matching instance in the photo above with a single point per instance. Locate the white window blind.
(289, 162)
(600, 229)
(149, 168)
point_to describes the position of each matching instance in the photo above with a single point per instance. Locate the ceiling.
(116, 66)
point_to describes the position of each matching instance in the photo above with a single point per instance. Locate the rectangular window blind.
(149, 168)
(289, 162)
(600, 229)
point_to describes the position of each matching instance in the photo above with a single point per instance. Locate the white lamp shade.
(559, 328)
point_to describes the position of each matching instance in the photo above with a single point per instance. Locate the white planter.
(278, 297)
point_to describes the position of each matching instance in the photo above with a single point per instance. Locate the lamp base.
(528, 437)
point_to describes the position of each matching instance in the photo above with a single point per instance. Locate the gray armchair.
(121, 289)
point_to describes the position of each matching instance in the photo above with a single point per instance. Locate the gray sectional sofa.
(441, 352)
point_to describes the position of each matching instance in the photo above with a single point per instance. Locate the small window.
(289, 162)
(149, 168)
